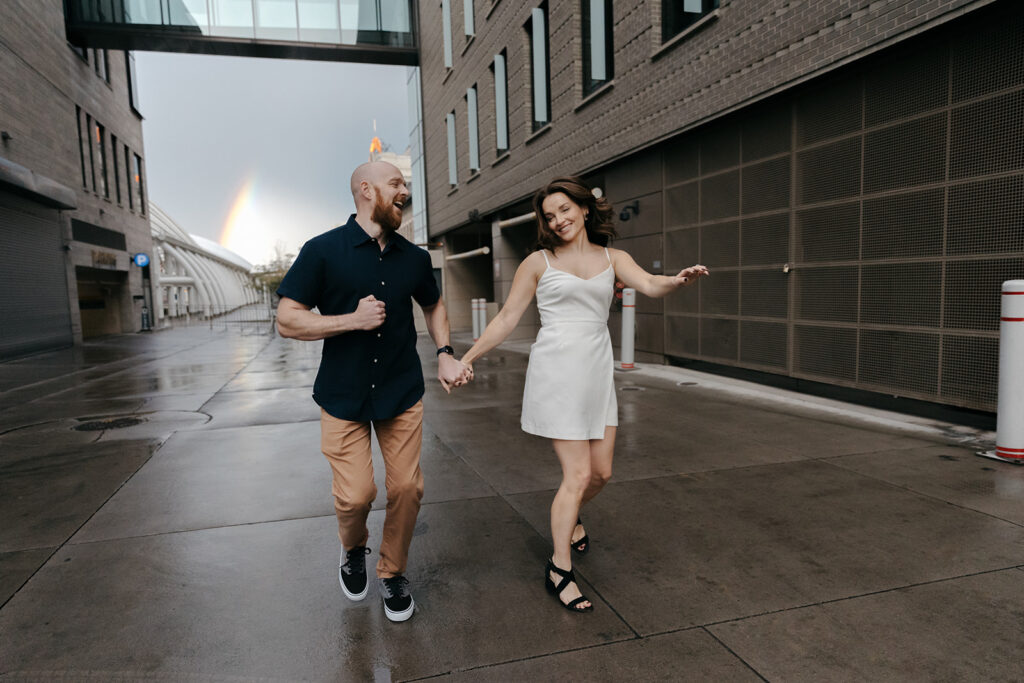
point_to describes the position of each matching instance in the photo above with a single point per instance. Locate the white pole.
(475, 308)
(628, 327)
(481, 314)
(1009, 422)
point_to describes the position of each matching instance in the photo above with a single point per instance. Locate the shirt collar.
(357, 237)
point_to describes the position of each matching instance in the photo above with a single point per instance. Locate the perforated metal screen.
(893, 194)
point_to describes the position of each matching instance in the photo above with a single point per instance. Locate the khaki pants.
(347, 447)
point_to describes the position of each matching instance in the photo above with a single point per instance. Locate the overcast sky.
(247, 152)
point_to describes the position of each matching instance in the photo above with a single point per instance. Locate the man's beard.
(384, 215)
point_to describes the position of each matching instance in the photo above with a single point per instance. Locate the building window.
(82, 52)
(539, 71)
(467, 13)
(500, 102)
(597, 44)
(82, 140)
(92, 161)
(137, 177)
(453, 169)
(679, 15)
(474, 131)
(101, 64)
(133, 82)
(100, 139)
(116, 167)
(128, 173)
(446, 29)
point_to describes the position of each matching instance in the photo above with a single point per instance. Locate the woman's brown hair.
(599, 225)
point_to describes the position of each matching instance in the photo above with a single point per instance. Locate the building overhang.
(39, 188)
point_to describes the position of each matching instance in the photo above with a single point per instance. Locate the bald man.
(362, 278)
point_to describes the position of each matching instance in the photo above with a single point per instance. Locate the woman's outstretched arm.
(524, 286)
(655, 286)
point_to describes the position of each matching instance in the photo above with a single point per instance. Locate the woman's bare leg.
(601, 453)
(574, 457)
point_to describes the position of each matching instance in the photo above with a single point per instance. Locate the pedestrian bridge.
(371, 31)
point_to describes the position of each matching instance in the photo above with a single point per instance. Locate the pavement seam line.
(734, 654)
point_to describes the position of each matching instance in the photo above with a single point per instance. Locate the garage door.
(34, 311)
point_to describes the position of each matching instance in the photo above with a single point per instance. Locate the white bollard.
(628, 327)
(481, 315)
(1010, 409)
(475, 306)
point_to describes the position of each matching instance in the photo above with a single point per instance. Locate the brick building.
(851, 171)
(72, 186)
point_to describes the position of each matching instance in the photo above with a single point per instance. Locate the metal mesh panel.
(828, 112)
(826, 351)
(766, 186)
(986, 136)
(986, 217)
(765, 240)
(830, 172)
(892, 359)
(682, 335)
(681, 249)
(765, 294)
(973, 292)
(909, 85)
(828, 293)
(681, 207)
(723, 297)
(906, 294)
(906, 224)
(718, 338)
(912, 153)
(682, 161)
(720, 244)
(719, 148)
(989, 59)
(720, 196)
(764, 343)
(970, 370)
(829, 233)
(767, 131)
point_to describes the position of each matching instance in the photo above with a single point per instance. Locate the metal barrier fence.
(248, 319)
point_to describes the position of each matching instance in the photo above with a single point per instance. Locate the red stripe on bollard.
(1012, 320)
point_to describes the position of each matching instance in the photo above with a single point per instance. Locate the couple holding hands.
(363, 277)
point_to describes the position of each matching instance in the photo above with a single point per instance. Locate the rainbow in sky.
(236, 217)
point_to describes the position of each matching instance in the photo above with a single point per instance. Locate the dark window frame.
(591, 85)
(675, 20)
(536, 123)
(494, 73)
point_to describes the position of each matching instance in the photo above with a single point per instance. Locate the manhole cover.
(109, 423)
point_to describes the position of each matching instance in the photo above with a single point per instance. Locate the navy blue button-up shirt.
(365, 374)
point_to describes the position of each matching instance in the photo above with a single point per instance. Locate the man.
(362, 278)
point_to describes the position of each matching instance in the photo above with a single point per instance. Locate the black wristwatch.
(446, 349)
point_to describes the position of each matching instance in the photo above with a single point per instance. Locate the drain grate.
(109, 423)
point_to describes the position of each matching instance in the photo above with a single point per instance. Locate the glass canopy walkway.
(374, 31)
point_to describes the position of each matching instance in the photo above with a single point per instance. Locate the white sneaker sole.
(403, 615)
(354, 597)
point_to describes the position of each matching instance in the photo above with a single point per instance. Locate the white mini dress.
(570, 390)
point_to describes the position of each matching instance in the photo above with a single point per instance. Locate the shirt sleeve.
(304, 281)
(426, 293)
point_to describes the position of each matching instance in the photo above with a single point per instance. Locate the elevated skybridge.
(369, 31)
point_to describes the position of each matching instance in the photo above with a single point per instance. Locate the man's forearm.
(437, 324)
(309, 326)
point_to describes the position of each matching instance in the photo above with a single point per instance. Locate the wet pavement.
(167, 516)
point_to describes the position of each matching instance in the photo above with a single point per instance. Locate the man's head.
(379, 191)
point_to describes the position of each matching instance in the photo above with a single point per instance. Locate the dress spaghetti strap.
(607, 256)
(544, 252)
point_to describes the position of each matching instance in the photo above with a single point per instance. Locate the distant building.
(196, 276)
(73, 205)
(852, 173)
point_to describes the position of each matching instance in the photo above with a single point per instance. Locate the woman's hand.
(467, 374)
(687, 276)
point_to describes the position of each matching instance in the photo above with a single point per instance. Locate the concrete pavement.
(167, 516)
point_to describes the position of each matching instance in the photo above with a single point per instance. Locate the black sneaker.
(398, 603)
(352, 573)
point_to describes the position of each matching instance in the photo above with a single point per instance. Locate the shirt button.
(374, 360)
(378, 335)
(382, 282)
(373, 386)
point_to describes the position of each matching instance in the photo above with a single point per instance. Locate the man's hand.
(369, 314)
(452, 373)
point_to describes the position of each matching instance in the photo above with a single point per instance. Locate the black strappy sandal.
(567, 578)
(583, 545)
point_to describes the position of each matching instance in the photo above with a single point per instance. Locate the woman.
(570, 393)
